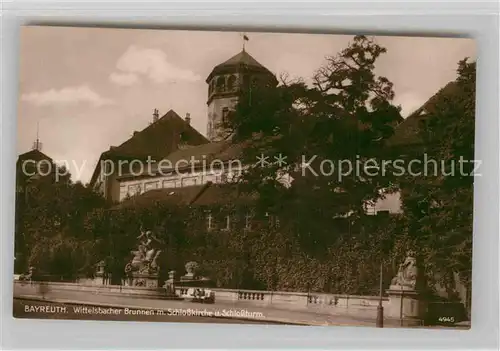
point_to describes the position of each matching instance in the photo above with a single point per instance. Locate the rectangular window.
(189, 181)
(123, 191)
(150, 186)
(270, 219)
(228, 223)
(210, 178)
(248, 221)
(225, 115)
(169, 184)
(134, 189)
(210, 219)
(273, 220)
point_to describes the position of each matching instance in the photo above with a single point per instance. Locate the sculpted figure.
(147, 254)
(153, 248)
(139, 256)
(191, 268)
(407, 273)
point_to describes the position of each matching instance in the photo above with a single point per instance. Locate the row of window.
(230, 222)
(222, 84)
(230, 83)
(136, 189)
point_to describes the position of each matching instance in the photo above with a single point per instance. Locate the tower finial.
(245, 38)
(37, 145)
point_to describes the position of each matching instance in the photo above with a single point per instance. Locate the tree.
(50, 214)
(439, 204)
(339, 122)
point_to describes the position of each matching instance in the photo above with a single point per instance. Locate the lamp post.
(380, 308)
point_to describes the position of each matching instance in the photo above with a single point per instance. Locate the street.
(50, 310)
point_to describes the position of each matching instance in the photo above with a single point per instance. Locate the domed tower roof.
(241, 61)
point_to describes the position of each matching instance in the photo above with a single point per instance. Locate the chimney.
(156, 115)
(188, 118)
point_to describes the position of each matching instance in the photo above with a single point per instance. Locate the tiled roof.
(201, 155)
(222, 194)
(196, 195)
(157, 141)
(241, 60)
(177, 196)
(159, 138)
(206, 151)
(407, 132)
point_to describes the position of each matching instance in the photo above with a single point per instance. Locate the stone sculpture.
(191, 269)
(145, 260)
(407, 273)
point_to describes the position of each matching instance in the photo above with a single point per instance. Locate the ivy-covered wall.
(259, 254)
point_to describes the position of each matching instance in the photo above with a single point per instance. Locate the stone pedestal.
(406, 304)
(143, 280)
(188, 277)
(170, 283)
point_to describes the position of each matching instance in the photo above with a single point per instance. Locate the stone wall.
(27, 288)
(361, 306)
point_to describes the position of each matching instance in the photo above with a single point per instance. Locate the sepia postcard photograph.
(245, 177)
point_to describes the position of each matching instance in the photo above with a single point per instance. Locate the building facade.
(191, 159)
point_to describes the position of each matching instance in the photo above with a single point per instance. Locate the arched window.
(231, 83)
(221, 83)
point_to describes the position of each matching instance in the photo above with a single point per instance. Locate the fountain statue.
(144, 265)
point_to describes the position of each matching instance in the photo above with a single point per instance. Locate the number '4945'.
(446, 319)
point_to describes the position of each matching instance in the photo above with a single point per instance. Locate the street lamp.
(380, 308)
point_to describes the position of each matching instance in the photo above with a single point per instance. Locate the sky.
(91, 88)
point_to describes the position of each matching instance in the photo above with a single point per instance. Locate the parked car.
(200, 295)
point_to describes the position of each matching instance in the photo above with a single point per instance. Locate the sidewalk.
(224, 309)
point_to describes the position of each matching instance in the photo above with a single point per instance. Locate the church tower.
(225, 84)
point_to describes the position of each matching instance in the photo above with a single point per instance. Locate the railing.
(331, 303)
(251, 295)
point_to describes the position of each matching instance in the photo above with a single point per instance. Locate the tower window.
(221, 83)
(231, 83)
